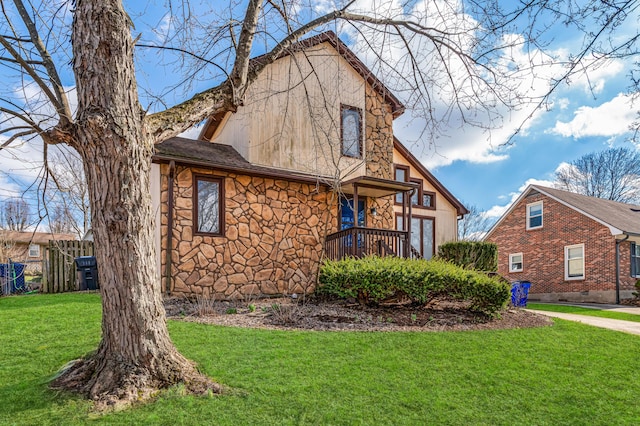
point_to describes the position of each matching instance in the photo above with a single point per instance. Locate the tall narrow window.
(515, 262)
(422, 234)
(574, 262)
(208, 211)
(401, 175)
(351, 120)
(534, 215)
(635, 260)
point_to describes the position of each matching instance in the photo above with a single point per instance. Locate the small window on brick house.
(635, 260)
(515, 262)
(534, 215)
(351, 131)
(34, 250)
(574, 262)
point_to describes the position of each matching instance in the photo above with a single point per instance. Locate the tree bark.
(136, 355)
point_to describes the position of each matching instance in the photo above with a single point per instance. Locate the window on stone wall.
(534, 215)
(574, 262)
(635, 260)
(34, 250)
(515, 262)
(351, 131)
(208, 205)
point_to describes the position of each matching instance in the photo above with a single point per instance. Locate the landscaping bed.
(317, 314)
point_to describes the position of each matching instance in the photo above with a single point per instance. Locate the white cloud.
(611, 118)
(595, 80)
(498, 210)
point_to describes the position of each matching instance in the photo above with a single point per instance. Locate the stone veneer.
(379, 155)
(272, 242)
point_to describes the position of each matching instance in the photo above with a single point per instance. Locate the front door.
(347, 216)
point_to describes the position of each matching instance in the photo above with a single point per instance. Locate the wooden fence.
(59, 269)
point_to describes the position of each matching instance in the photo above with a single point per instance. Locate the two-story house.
(569, 246)
(307, 168)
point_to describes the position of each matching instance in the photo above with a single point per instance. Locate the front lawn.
(565, 374)
(592, 312)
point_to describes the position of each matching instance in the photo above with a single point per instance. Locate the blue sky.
(590, 114)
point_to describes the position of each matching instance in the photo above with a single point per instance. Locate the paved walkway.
(611, 324)
(635, 310)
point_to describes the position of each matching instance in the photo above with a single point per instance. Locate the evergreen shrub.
(477, 255)
(373, 279)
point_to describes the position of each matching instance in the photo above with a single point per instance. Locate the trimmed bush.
(374, 279)
(478, 255)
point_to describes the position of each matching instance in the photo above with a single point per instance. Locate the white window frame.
(34, 250)
(635, 271)
(511, 262)
(566, 262)
(529, 206)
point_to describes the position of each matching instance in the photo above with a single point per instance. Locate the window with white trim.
(574, 262)
(34, 250)
(635, 260)
(515, 262)
(534, 215)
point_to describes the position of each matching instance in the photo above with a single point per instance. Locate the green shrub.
(478, 255)
(374, 279)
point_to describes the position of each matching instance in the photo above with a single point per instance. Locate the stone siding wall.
(379, 155)
(543, 253)
(272, 242)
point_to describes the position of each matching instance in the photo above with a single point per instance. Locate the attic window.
(534, 215)
(351, 131)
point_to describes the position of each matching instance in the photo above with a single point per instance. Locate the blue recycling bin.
(12, 276)
(520, 293)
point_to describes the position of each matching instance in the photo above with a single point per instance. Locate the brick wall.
(543, 253)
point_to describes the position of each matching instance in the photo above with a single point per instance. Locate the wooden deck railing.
(358, 242)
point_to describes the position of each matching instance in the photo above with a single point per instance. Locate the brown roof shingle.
(624, 217)
(223, 157)
(27, 237)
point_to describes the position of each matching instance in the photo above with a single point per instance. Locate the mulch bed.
(315, 314)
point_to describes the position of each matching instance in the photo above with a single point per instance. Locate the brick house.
(307, 168)
(569, 246)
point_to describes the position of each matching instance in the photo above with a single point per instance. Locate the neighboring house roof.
(397, 108)
(620, 218)
(40, 238)
(415, 163)
(223, 157)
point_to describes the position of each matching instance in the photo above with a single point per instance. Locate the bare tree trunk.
(136, 355)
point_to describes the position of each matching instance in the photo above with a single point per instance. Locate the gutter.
(168, 251)
(618, 242)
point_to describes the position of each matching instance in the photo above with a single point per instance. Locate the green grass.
(565, 374)
(592, 312)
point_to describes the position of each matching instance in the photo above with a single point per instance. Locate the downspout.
(168, 251)
(626, 237)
